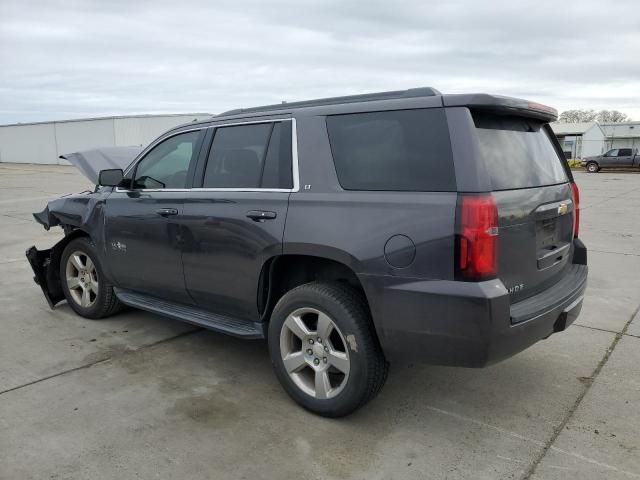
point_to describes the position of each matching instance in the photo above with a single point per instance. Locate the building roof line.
(111, 117)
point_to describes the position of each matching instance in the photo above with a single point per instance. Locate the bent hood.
(90, 162)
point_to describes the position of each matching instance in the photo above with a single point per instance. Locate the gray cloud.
(70, 59)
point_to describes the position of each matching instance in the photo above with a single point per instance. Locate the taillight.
(576, 209)
(477, 238)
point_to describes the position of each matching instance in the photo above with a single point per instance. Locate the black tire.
(105, 302)
(348, 311)
(592, 167)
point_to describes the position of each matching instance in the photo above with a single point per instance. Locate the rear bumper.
(468, 324)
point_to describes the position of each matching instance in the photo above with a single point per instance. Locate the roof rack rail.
(366, 97)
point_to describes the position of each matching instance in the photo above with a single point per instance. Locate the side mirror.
(110, 178)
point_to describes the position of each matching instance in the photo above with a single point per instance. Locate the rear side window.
(277, 164)
(250, 156)
(401, 150)
(517, 152)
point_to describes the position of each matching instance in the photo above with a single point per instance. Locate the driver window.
(612, 153)
(167, 164)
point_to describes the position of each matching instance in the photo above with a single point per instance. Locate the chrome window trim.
(294, 161)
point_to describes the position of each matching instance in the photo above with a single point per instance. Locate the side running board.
(190, 314)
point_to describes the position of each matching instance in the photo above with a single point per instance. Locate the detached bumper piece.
(44, 275)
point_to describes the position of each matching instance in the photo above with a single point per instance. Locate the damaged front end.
(46, 277)
(78, 215)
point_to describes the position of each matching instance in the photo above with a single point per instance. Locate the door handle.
(260, 215)
(165, 212)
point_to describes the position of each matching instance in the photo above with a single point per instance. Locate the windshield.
(517, 152)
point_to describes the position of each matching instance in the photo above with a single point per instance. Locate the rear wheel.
(87, 291)
(324, 350)
(592, 167)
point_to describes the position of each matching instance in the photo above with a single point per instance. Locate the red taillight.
(576, 209)
(477, 237)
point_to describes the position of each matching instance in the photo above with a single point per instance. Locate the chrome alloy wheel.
(82, 279)
(314, 353)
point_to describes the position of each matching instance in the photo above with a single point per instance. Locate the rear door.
(534, 200)
(625, 157)
(235, 221)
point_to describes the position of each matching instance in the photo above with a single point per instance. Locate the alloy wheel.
(82, 279)
(314, 353)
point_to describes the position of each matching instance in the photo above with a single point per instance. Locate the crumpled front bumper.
(41, 262)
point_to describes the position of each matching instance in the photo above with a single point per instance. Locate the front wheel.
(86, 289)
(324, 349)
(592, 167)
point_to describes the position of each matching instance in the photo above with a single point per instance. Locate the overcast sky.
(73, 58)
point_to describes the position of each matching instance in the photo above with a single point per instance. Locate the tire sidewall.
(351, 332)
(87, 247)
(592, 167)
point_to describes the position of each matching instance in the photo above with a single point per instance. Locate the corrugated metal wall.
(45, 142)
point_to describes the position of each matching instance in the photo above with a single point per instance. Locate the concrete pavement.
(139, 396)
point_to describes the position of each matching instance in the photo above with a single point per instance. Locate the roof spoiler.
(516, 106)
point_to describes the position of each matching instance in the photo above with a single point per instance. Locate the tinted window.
(517, 152)
(250, 156)
(624, 152)
(167, 164)
(402, 150)
(612, 153)
(277, 165)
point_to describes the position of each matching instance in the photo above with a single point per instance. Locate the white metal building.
(44, 142)
(622, 135)
(579, 140)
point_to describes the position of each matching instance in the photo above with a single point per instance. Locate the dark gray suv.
(349, 232)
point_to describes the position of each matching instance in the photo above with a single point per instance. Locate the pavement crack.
(548, 445)
(595, 328)
(615, 253)
(99, 361)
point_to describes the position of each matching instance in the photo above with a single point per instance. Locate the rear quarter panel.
(353, 226)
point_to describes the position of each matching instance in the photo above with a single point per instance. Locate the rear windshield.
(517, 152)
(400, 150)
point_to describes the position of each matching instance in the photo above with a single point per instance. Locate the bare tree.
(576, 116)
(612, 116)
(602, 116)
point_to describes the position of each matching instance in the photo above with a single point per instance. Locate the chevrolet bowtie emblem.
(562, 209)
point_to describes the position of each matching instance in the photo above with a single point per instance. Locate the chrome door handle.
(165, 212)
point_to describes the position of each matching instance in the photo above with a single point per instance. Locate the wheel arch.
(49, 269)
(281, 273)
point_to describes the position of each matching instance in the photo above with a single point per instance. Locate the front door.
(142, 223)
(610, 159)
(235, 222)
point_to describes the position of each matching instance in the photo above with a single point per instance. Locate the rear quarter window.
(517, 152)
(401, 150)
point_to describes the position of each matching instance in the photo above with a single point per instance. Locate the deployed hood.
(90, 162)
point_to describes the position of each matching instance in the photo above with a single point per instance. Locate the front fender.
(73, 210)
(79, 215)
